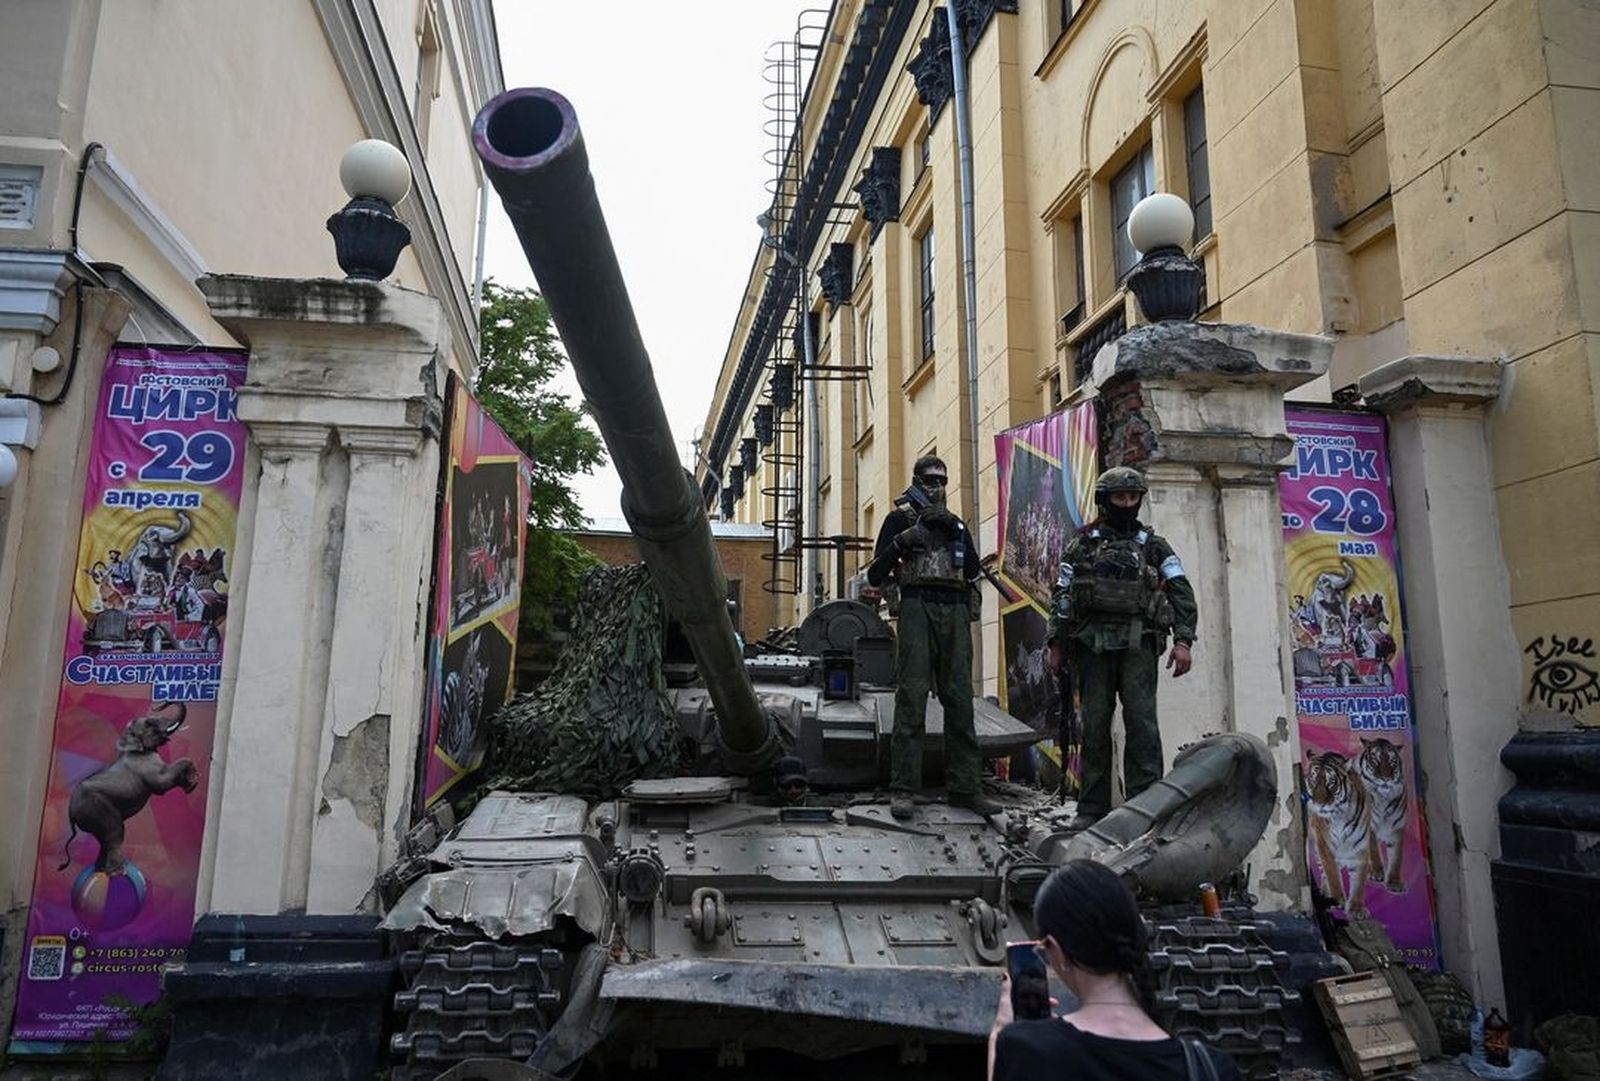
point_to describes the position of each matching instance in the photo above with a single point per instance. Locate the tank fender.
(502, 901)
(1196, 824)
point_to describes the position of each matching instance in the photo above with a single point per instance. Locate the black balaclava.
(934, 492)
(1116, 517)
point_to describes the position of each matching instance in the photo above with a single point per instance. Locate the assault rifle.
(916, 501)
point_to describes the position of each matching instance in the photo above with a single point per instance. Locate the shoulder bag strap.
(1198, 1061)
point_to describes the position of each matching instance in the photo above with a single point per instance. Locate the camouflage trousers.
(935, 655)
(1102, 678)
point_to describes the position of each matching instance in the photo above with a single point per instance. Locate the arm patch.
(1171, 568)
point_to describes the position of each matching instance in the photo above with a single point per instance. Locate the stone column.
(1466, 669)
(1199, 407)
(320, 714)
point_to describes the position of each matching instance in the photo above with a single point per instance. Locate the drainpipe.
(969, 272)
(813, 584)
(483, 230)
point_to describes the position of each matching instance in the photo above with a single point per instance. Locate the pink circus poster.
(1046, 473)
(124, 811)
(1366, 843)
(472, 645)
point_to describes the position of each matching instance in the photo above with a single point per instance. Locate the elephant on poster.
(157, 544)
(102, 802)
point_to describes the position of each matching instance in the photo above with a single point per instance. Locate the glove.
(911, 540)
(940, 518)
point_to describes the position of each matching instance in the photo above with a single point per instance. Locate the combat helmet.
(1120, 478)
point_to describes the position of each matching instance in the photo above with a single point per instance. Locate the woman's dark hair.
(1095, 920)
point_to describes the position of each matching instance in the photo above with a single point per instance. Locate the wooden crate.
(1368, 1030)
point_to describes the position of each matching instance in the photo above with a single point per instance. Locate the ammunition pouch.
(1140, 598)
(1160, 614)
(1093, 596)
(934, 566)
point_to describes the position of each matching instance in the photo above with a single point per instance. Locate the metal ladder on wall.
(782, 428)
(779, 421)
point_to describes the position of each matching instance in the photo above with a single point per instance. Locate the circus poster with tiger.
(1366, 841)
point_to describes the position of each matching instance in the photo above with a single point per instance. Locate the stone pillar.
(1199, 407)
(1466, 670)
(319, 720)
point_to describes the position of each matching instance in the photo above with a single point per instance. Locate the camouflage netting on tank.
(602, 719)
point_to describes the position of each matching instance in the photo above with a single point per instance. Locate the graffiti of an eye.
(1558, 679)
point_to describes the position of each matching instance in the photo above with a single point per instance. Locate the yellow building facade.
(1417, 180)
(1408, 177)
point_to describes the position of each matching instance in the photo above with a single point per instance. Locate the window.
(925, 291)
(1132, 182)
(863, 379)
(1194, 145)
(427, 85)
(1069, 273)
(924, 150)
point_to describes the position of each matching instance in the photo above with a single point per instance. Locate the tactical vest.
(1114, 579)
(937, 565)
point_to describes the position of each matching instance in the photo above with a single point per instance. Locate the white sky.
(669, 97)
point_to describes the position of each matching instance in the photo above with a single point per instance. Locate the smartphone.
(1030, 981)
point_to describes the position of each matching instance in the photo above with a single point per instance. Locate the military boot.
(976, 801)
(1081, 822)
(900, 806)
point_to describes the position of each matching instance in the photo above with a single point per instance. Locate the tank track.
(1234, 981)
(474, 1000)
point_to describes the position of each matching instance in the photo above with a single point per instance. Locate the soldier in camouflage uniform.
(929, 551)
(1121, 592)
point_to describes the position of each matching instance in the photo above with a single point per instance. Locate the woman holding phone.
(1093, 938)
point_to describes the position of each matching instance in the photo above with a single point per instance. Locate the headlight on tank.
(639, 878)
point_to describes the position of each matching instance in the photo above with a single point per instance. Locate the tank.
(700, 919)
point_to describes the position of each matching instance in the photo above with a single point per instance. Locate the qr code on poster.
(47, 958)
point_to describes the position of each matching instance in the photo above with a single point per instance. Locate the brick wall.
(742, 563)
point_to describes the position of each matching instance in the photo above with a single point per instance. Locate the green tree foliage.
(521, 356)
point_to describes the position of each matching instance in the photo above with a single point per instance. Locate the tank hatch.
(682, 790)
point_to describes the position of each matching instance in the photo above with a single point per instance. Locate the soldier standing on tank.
(1121, 592)
(930, 552)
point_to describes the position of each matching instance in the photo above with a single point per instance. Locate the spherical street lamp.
(1168, 284)
(368, 236)
(375, 169)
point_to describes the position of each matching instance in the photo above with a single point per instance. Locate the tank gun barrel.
(533, 151)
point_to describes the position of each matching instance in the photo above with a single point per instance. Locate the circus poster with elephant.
(1366, 842)
(1046, 473)
(472, 644)
(119, 840)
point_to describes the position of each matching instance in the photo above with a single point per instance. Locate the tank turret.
(533, 152)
